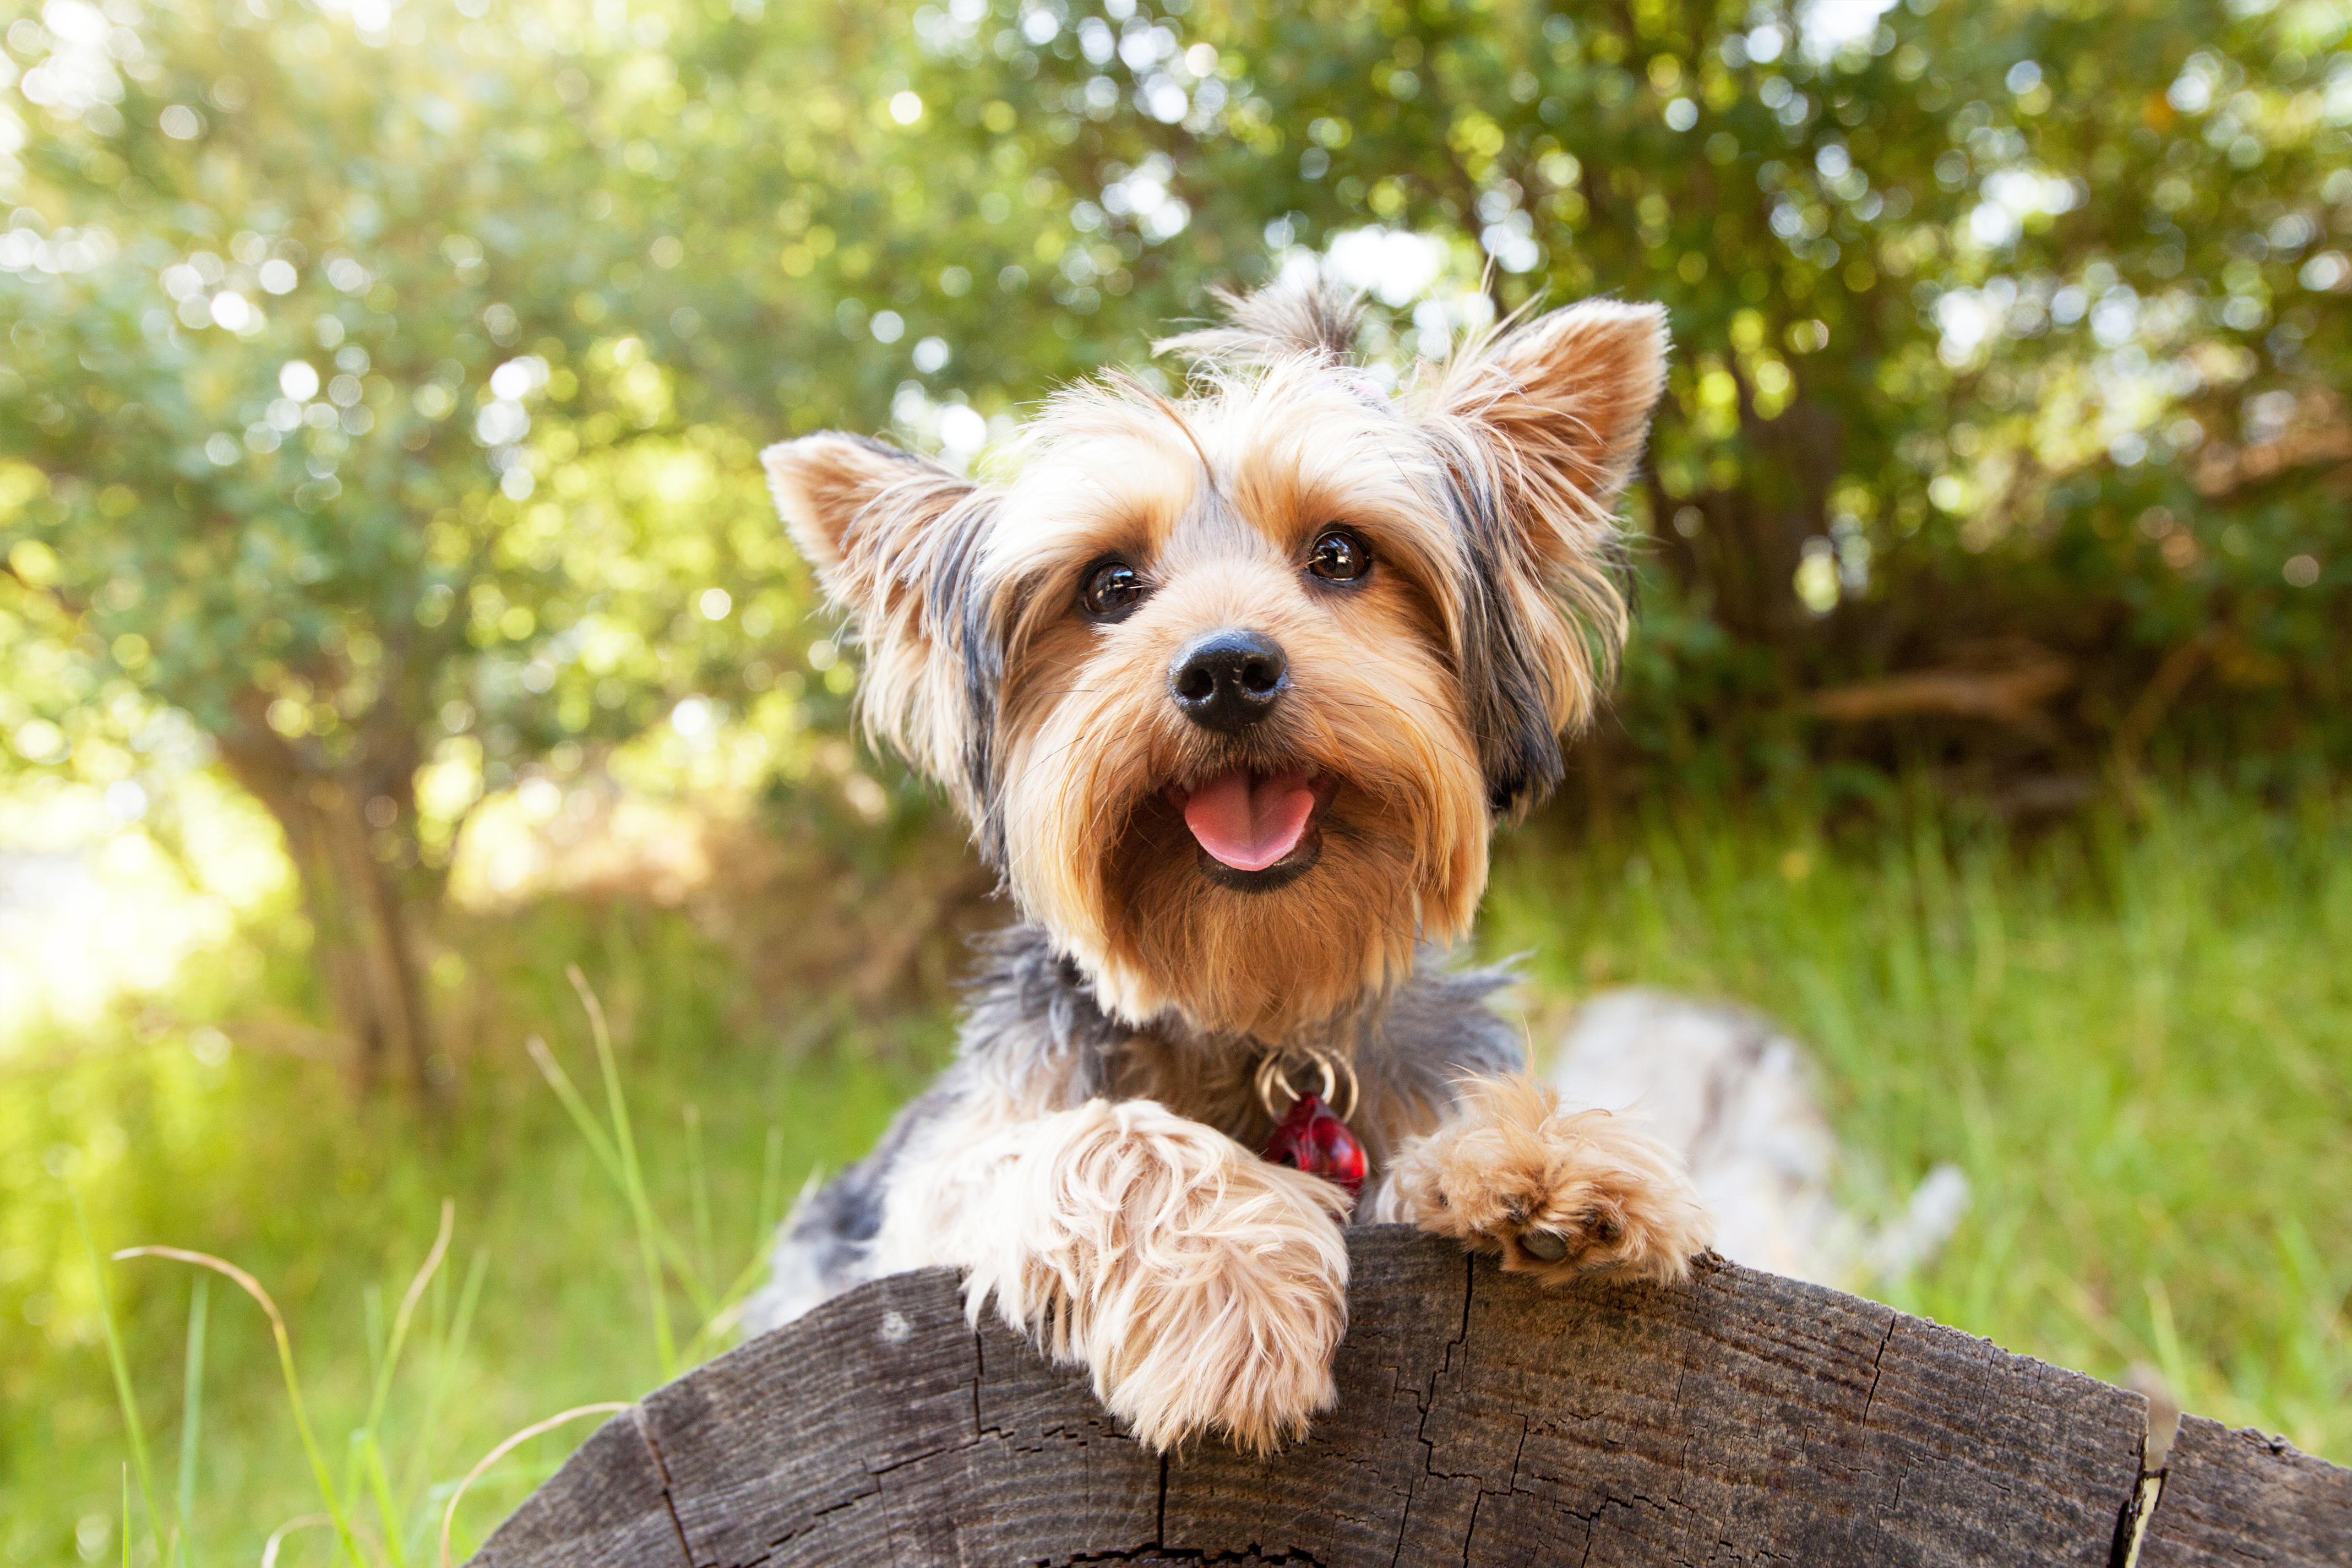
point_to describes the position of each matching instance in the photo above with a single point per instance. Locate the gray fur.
(1033, 1029)
(955, 603)
(1503, 684)
(826, 1241)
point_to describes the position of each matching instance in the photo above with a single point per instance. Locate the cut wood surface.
(1739, 1418)
(2243, 1499)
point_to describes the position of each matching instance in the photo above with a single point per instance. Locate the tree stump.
(1739, 1418)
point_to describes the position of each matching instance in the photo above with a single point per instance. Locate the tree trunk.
(1738, 1417)
(1752, 537)
(351, 830)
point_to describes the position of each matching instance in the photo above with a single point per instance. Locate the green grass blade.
(449, 1354)
(123, 1390)
(379, 1485)
(367, 1443)
(576, 1107)
(252, 1288)
(619, 1169)
(633, 1176)
(192, 1413)
(771, 1191)
(698, 1188)
(407, 1313)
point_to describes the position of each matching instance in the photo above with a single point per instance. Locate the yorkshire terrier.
(1233, 688)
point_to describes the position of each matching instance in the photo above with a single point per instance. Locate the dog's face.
(1233, 688)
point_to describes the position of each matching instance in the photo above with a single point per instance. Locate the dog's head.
(1233, 688)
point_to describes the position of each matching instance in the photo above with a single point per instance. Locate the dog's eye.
(1339, 557)
(1113, 589)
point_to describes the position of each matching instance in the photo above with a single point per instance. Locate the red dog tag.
(1310, 1138)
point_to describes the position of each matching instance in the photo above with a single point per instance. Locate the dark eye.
(1339, 557)
(1113, 589)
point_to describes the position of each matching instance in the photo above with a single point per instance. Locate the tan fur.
(1556, 411)
(1202, 1288)
(1223, 494)
(1106, 862)
(1513, 1166)
(1271, 325)
(874, 527)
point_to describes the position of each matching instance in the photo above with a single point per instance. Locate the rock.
(1742, 1101)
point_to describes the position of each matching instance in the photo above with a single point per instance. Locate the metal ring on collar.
(1270, 1075)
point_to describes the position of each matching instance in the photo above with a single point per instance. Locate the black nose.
(1228, 679)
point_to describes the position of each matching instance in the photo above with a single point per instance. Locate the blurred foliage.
(383, 381)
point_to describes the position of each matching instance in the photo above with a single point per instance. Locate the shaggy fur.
(1087, 1162)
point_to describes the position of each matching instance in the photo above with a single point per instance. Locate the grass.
(265, 1161)
(2136, 1038)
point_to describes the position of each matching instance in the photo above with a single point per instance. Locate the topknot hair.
(1287, 321)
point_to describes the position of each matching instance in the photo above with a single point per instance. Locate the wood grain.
(1738, 1418)
(2243, 1498)
(609, 1503)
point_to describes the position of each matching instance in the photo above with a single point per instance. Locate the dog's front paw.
(1229, 1332)
(1205, 1289)
(1556, 1193)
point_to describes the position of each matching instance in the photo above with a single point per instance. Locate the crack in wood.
(1469, 1293)
(2131, 1525)
(661, 1468)
(1878, 1364)
(878, 1472)
(979, 1376)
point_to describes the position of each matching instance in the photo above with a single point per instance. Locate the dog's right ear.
(827, 488)
(895, 539)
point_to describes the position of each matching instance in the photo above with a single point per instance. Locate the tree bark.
(1482, 1420)
(354, 867)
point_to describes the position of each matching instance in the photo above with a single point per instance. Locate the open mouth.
(1256, 830)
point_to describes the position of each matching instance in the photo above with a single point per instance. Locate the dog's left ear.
(1568, 397)
(1542, 426)
(894, 539)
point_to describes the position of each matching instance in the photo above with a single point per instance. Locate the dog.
(1233, 688)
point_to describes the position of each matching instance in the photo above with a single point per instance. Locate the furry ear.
(1568, 397)
(895, 540)
(1541, 426)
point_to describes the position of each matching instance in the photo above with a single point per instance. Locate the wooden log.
(2240, 1498)
(609, 1503)
(1741, 1418)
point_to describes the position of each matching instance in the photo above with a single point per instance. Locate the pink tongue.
(1249, 823)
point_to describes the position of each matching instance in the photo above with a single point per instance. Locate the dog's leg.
(1556, 1193)
(1205, 1289)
